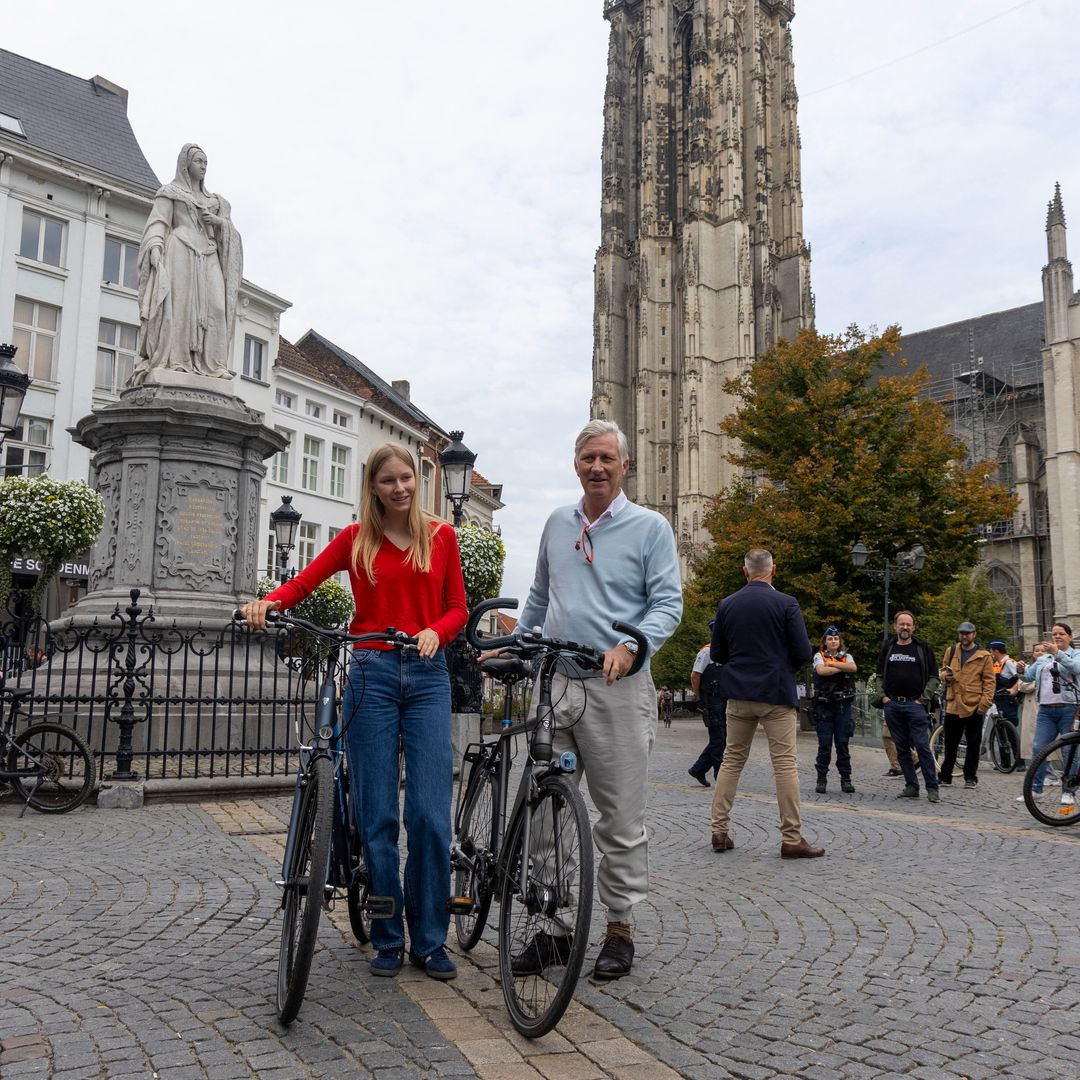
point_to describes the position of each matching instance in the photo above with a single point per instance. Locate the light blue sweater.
(634, 577)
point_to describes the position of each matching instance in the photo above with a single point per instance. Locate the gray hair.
(602, 427)
(757, 562)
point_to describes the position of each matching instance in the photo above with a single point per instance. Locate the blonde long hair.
(369, 536)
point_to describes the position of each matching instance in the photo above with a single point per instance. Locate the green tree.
(674, 660)
(840, 452)
(967, 599)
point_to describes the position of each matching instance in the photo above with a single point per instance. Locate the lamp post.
(13, 386)
(285, 520)
(903, 563)
(457, 462)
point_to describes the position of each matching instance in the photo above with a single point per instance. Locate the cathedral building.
(702, 264)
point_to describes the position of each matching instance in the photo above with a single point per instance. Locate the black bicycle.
(324, 858)
(539, 860)
(1065, 811)
(47, 765)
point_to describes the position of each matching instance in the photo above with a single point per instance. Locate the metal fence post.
(126, 670)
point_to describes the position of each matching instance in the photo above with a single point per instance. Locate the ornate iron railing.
(156, 700)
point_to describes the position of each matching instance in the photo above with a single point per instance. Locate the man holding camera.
(968, 674)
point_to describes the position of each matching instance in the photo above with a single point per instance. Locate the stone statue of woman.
(190, 264)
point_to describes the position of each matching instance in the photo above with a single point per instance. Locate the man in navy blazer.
(760, 637)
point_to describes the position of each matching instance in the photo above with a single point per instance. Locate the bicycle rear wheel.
(473, 855)
(547, 890)
(937, 745)
(305, 888)
(63, 770)
(1064, 810)
(1004, 746)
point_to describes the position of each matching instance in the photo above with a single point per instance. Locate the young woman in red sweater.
(405, 572)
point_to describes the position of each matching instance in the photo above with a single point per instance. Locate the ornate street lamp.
(457, 462)
(904, 562)
(285, 520)
(13, 386)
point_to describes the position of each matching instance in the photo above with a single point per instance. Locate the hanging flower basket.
(52, 519)
(482, 558)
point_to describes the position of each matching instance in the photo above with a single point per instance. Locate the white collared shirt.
(617, 504)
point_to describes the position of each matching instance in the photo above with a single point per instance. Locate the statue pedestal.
(178, 461)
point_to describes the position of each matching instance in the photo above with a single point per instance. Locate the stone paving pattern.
(930, 942)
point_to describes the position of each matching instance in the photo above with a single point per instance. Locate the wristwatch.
(630, 646)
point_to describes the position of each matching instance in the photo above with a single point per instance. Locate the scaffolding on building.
(992, 410)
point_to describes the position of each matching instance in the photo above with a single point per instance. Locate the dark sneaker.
(437, 964)
(892, 773)
(932, 795)
(821, 785)
(699, 777)
(971, 783)
(616, 957)
(544, 951)
(846, 786)
(387, 962)
(946, 780)
(910, 792)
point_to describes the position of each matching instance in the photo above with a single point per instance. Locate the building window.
(254, 351)
(426, 495)
(26, 449)
(121, 264)
(313, 409)
(339, 471)
(279, 467)
(115, 355)
(309, 472)
(42, 238)
(342, 419)
(307, 543)
(286, 401)
(11, 124)
(35, 330)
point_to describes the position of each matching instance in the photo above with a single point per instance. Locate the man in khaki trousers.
(760, 638)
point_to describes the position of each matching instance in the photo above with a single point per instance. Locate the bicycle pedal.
(380, 907)
(460, 905)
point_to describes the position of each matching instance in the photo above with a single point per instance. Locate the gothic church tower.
(1061, 381)
(702, 263)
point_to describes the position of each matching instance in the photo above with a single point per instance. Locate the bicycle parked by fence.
(538, 861)
(324, 859)
(46, 765)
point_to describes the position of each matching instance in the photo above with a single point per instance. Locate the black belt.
(904, 700)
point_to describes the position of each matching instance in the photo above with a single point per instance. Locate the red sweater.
(401, 597)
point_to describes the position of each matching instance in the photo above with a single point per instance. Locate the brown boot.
(801, 850)
(722, 842)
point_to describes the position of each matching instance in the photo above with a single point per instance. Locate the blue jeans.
(1051, 722)
(834, 723)
(399, 694)
(910, 726)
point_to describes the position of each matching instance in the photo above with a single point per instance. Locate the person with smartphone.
(967, 671)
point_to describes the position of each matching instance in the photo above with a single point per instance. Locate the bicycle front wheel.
(545, 906)
(305, 888)
(937, 743)
(60, 767)
(473, 855)
(1004, 747)
(1062, 810)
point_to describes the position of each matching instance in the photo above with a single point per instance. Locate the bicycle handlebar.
(589, 655)
(389, 636)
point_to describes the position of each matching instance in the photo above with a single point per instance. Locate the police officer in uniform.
(834, 692)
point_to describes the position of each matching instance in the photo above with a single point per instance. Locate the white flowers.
(51, 518)
(329, 605)
(482, 558)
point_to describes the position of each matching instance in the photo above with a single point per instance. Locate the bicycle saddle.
(17, 693)
(505, 668)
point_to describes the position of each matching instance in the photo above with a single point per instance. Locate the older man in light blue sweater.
(606, 559)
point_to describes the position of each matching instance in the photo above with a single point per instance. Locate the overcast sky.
(422, 181)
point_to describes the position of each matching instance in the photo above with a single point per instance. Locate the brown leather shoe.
(801, 850)
(722, 842)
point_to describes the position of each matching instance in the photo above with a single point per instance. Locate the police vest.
(1002, 684)
(834, 687)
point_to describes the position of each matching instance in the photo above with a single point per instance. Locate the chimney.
(101, 83)
(401, 388)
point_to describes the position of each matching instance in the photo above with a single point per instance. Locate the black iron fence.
(160, 701)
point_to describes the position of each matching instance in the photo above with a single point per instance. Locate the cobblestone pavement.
(931, 941)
